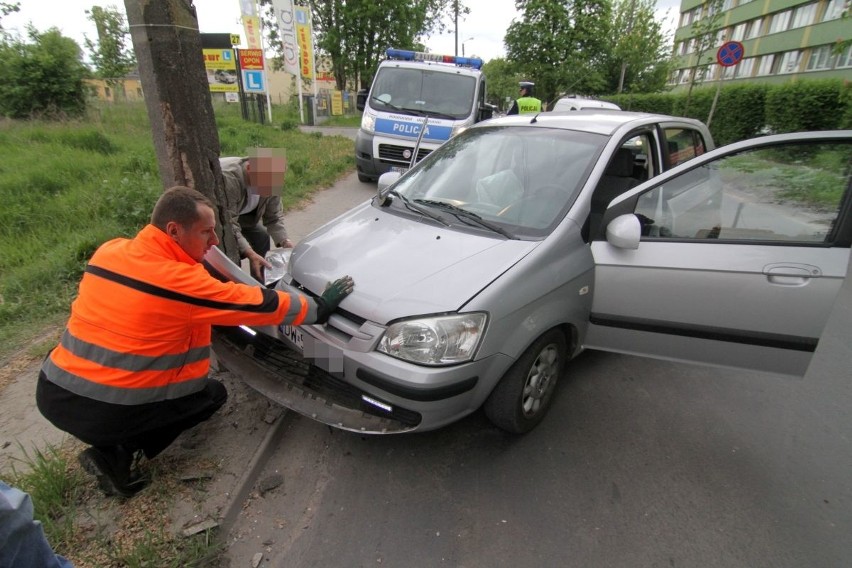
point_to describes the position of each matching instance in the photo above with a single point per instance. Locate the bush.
(808, 105)
(42, 78)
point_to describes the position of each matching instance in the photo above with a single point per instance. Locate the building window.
(728, 72)
(834, 10)
(780, 22)
(765, 67)
(789, 62)
(821, 58)
(753, 28)
(739, 32)
(804, 15)
(745, 67)
(845, 58)
(727, 5)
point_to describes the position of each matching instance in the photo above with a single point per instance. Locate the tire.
(522, 397)
(364, 178)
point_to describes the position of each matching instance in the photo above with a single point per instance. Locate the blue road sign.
(730, 53)
(253, 81)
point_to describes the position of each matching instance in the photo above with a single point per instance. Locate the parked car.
(578, 103)
(522, 241)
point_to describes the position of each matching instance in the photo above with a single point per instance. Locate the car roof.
(585, 103)
(597, 121)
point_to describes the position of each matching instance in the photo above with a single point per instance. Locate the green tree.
(42, 76)
(703, 34)
(355, 35)
(112, 55)
(640, 57)
(561, 45)
(502, 82)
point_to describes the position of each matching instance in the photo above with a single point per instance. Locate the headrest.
(621, 164)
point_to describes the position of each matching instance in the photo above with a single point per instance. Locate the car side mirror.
(624, 231)
(361, 99)
(386, 180)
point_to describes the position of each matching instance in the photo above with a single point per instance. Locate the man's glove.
(333, 295)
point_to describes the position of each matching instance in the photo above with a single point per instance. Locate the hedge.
(746, 111)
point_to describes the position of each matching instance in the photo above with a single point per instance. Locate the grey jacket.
(268, 211)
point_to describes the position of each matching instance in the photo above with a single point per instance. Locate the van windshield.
(423, 92)
(522, 178)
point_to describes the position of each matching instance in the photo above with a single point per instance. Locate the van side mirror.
(361, 99)
(624, 231)
(486, 111)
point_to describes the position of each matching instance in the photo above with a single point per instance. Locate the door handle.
(791, 273)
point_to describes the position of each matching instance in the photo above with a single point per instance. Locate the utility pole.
(171, 66)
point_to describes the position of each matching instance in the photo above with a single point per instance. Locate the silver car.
(480, 273)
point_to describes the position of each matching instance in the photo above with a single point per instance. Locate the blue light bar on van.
(407, 55)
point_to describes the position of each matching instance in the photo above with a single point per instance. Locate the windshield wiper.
(438, 114)
(416, 208)
(464, 215)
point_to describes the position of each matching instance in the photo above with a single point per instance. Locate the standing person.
(526, 103)
(130, 371)
(253, 193)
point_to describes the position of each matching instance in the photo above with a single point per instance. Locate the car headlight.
(439, 340)
(368, 122)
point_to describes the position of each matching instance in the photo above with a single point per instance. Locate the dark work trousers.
(149, 427)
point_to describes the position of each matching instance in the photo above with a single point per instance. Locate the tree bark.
(171, 67)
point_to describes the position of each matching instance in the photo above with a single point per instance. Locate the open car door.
(734, 258)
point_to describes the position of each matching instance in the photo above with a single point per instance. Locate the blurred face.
(200, 237)
(266, 174)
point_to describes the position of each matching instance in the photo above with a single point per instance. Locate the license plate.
(398, 169)
(293, 336)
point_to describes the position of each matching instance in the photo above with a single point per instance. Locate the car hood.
(402, 266)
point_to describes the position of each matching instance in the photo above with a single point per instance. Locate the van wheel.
(521, 398)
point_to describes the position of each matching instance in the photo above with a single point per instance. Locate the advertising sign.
(306, 44)
(221, 67)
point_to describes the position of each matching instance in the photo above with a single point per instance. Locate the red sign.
(251, 59)
(730, 53)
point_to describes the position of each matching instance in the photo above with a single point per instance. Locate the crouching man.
(130, 371)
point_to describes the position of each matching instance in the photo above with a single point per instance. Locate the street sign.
(253, 81)
(730, 53)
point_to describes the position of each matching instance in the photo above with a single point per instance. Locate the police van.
(412, 89)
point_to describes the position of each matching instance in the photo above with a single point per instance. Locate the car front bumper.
(373, 393)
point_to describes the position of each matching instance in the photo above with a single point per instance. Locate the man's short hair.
(179, 204)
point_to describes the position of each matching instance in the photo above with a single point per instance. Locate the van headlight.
(368, 122)
(439, 340)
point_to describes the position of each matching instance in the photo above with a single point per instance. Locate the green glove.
(333, 295)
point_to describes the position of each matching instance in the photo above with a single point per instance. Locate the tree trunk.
(177, 96)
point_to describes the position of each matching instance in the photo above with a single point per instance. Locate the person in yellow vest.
(130, 371)
(526, 103)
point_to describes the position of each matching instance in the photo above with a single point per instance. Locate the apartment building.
(783, 40)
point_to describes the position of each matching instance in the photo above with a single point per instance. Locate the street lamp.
(468, 39)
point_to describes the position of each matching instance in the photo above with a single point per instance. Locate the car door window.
(682, 144)
(783, 194)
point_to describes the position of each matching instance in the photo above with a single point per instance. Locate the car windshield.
(423, 92)
(520, 179)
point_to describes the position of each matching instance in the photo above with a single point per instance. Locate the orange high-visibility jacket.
(140, 327)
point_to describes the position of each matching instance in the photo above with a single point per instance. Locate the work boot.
(112, 466)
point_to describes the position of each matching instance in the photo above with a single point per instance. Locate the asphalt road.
(639, 463)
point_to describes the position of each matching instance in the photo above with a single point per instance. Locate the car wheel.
(521, 398)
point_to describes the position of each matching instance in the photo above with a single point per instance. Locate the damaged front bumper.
(286, 377)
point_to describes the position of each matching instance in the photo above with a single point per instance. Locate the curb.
(253, 469)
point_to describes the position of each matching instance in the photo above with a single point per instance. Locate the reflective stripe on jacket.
(528, 105)
(140, 327)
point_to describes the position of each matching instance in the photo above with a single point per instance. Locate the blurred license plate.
(293, 336)
(398, 169)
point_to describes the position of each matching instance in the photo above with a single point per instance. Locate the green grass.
(350, 120)
(68, 187)
(92, 530)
